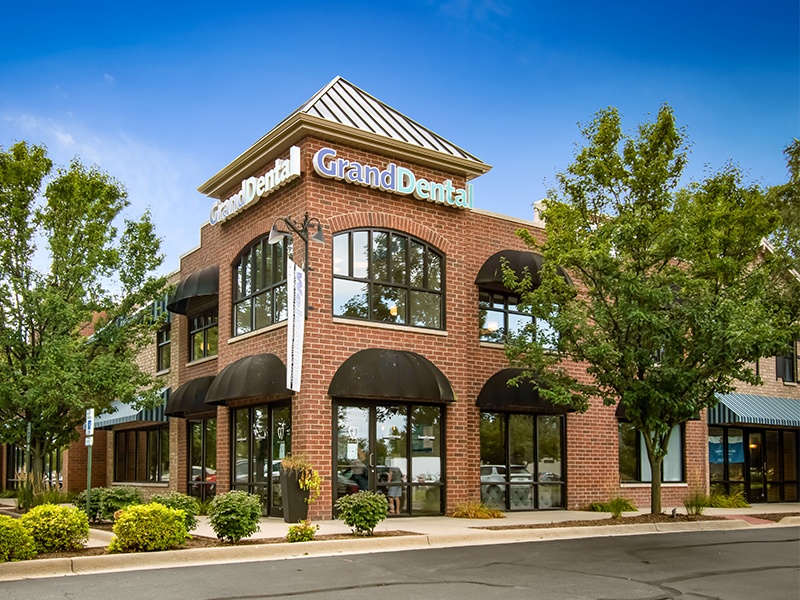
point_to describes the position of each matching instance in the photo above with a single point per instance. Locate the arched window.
(386, 276)
(259, 286)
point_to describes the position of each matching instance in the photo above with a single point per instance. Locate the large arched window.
(386, 276)
(259, 286)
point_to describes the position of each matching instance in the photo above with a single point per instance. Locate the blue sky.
(163, 95)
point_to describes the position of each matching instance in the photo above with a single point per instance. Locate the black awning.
(490, 275)
(249, 377)
(497, 395)
(190, 398)
(380, 374)
(199, 284)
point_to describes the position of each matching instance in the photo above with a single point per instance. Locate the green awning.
(734, 409)
(125, 413)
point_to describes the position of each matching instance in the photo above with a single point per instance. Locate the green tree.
(86, 273)
(676, 293)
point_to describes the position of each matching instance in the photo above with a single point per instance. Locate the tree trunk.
(655, 483)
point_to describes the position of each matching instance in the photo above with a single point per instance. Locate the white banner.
(296, 280)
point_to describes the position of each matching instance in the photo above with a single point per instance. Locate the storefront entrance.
(393, 449)
(261, 438)
(761, 464)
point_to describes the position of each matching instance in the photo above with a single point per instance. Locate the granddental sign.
(394, 179)
(254, 188)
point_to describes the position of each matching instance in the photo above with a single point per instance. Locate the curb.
(85, 565)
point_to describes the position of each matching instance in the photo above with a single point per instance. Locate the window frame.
(406, 288)
(641, 455)
(267, 287)
(163, 349)
(786, 365)
(210, 320)
(142, 463)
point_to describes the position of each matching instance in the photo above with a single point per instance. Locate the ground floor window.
(522, 460)
(396, 450)
(142, 455)
(261, 438)
(202, 458)
(17, 467)
(760, 464)
(634, 466)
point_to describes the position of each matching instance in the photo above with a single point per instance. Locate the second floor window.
(163, 349)
(203, 335)
(259, 286)
(786, 365)
(388, 277)
(501, 317)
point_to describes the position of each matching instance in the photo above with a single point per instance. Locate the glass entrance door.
(757, 467)
(394, 450)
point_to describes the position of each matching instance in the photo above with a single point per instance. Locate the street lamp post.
(302, 230)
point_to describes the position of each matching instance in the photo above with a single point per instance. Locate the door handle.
(372, 460)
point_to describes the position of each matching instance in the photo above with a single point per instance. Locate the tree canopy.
(676, 294)
(87, 275)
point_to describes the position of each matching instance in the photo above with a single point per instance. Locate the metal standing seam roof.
(758, 410)
(342, 102)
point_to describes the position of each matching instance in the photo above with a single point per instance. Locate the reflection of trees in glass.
(628, 467)
(521, 439)
(412, 270)
(549, 437)
(493, 437)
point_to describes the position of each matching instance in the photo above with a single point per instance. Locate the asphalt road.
(746, 564)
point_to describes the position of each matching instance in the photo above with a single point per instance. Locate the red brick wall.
(466, 238)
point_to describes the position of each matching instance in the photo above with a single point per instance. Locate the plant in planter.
(301, 486)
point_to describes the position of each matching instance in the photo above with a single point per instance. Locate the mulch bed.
(638, 519)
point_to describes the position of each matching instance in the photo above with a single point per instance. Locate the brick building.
(403, 383)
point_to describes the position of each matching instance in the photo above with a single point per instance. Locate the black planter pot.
(295, 505)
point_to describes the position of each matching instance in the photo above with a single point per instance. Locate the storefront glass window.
(202, 458)
(260, 286)
(163, 349)
(387, 277)
(634, 465)
(522, 461)
(142, 455)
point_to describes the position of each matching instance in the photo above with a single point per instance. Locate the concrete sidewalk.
(431, 532)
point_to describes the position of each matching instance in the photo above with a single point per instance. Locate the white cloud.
(155, 177)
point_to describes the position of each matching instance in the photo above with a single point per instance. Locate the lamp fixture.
(302, 230)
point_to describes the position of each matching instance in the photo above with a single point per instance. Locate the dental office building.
(394, 378)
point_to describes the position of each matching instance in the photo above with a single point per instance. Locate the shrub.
(15, 541)
(56, 528)
(303, 531)
(696, 503)
(148, 528)
(203, 506)
(186, 503)
(235, 515)
(477, 510)
(113, 499)
(51, 496)
(362, 511)
(93, 513)
(736, 500)
(616, 506)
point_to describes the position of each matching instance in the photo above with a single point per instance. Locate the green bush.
(235, 515)
(93, 513)
(362, 511)
(148, 528)
(696, 503)
(56, 528)
(118, 498)
(186, 503)
(303, 531)
(15, 541)
(477, 510)
(204, 506)
(51, 496)
(106, 501)
(616, 506)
